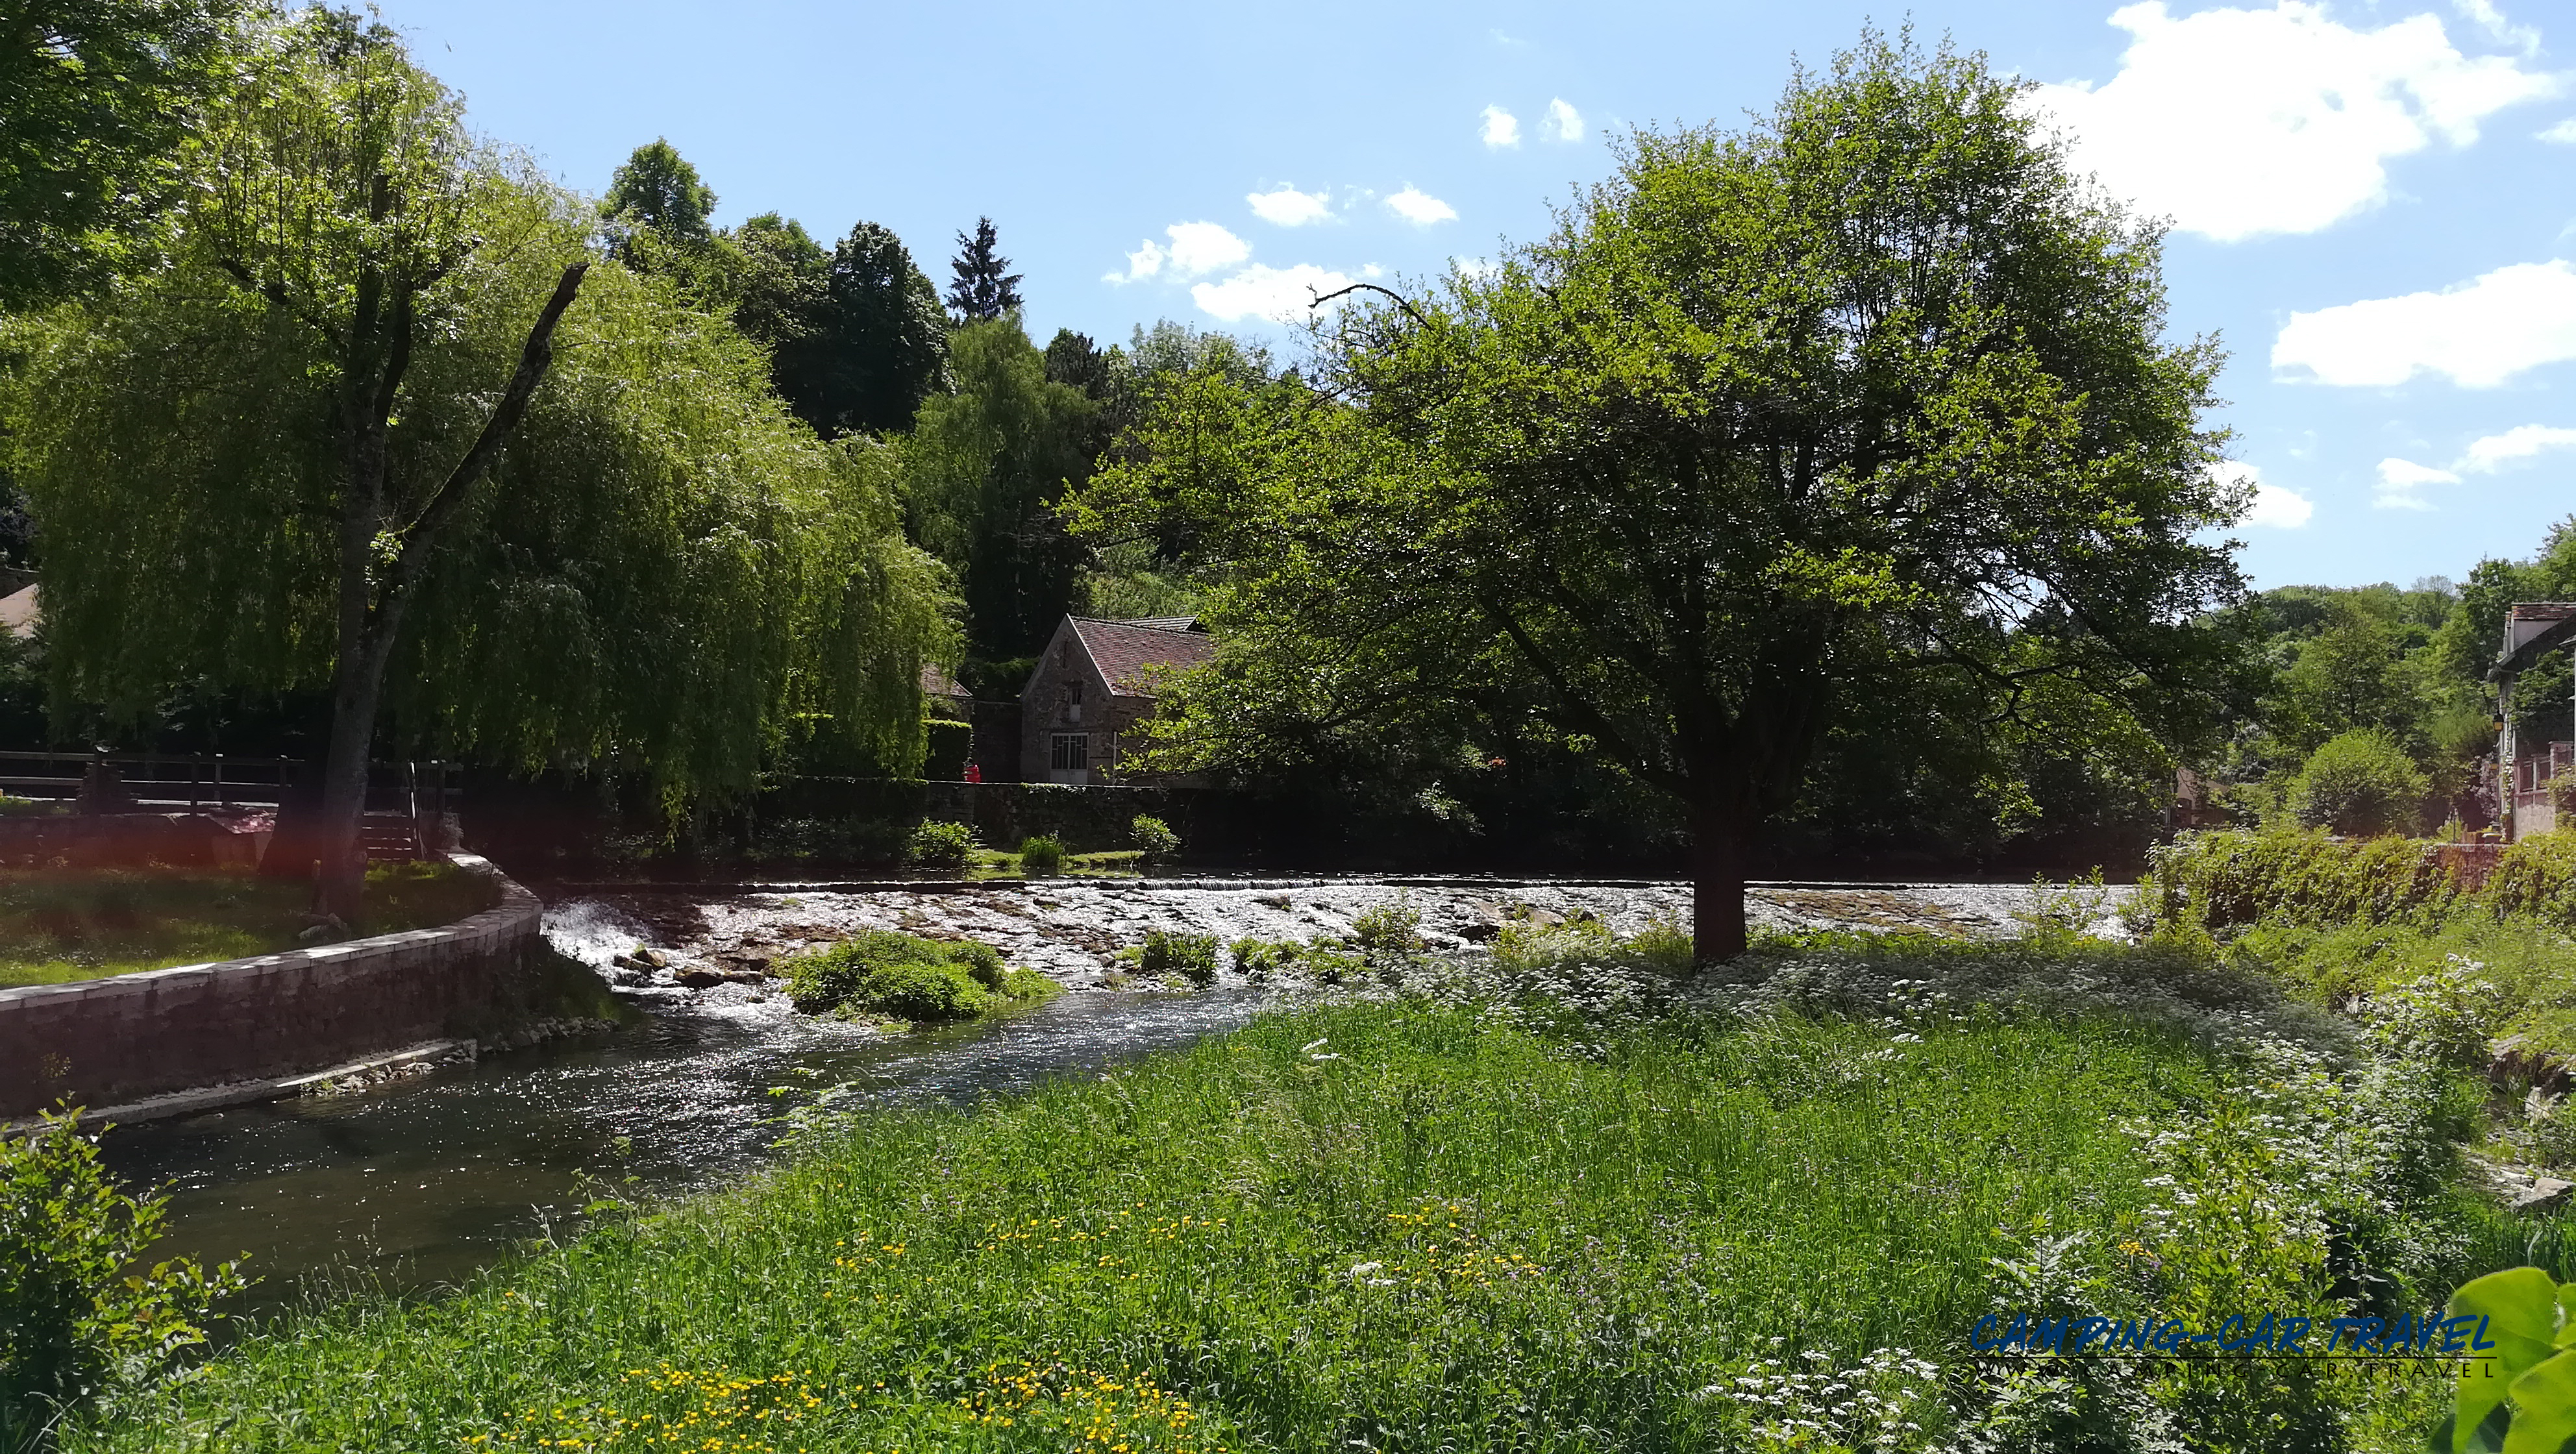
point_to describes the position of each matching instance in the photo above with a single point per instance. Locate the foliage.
(2361, 784)
(985, 470)
(1870, 394)
(1668, 1229)
(882, 972)
(61, 925)
(879, 345)
(661, 574)
(1189, 956)
(1154, 839)
(1388, 933)
(102, 93)
(657, 188)
(2523, 1396)
(983, 290)
(1041, 855)
(2218, 881)
(941, 845)
(77, 1312)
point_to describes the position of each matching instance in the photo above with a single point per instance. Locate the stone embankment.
(726, 945)
(250, 1028)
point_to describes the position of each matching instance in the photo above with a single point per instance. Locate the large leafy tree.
(99, 95)
(1870, 395)
(987, 468)
(656, 188)
(326, 445)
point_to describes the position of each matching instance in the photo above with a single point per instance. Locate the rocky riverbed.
(725, 947)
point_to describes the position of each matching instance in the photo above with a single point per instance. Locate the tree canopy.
(1871, 395)
(656, 570)
(658, 189)
(983, 288)
(100, 95)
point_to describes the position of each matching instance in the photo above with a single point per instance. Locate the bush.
(1154, 838)
(2362, 785)
(1191, 956)
(883, 972)
(2221, 880)
(76, 1312)
(941, 845)
(1262, 958)
(1388, 934)
(1042, 856)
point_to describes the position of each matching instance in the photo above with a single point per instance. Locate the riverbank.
(1591, 1213)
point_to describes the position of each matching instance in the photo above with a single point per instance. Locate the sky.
(2371, 203)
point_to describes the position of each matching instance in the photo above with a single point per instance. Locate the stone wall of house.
(109, 1041)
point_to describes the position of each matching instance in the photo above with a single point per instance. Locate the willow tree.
(384, 410)
(1871, 393)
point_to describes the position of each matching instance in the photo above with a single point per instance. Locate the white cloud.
(1562, 122)
(1204, 247)
(2480, 333)
(1260, 291)
(2399, 479)
(1420, 208)
(2275, 507)
(1288, 207)
(2238, 123)
(1501, 127)
(2484, 15)
(2564, 133)
(1372, 270)
(2522, 442)
(1144, 262)
(1475, 269)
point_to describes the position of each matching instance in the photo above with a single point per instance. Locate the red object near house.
(974, 772)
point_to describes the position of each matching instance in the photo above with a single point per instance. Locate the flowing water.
(425, 1181)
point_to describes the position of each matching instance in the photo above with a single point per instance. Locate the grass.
(60, 926)
(992, 863)
(1751, 1215)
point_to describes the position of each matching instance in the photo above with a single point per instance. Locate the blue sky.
(2375, 204)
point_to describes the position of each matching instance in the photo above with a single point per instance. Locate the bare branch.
(1400, 300)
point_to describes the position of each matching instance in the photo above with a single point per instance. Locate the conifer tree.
(983, 290)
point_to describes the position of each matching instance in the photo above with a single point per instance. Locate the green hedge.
(2223, 880)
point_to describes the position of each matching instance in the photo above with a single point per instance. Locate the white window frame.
(1079, 742)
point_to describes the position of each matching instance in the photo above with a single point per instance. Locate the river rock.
(700, 978)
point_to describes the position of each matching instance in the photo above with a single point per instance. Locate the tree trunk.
(356, 691)
(1717, 883)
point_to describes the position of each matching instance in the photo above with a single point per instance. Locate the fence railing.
(202, 780)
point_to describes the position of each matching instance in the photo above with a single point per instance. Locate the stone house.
(1091, 688)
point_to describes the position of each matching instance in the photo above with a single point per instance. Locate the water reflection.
(424, 1182)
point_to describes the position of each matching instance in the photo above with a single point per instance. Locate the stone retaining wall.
(99, 1042)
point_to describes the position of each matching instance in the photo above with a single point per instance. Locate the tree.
(656, 188)
(880, 345)
(101, 93)
(283, 461)
(983, 290)
(986, 469)
(1869, 395)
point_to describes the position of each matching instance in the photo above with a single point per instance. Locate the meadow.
(1561, 1203)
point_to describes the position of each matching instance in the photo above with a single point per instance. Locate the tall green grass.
(1394, 1226)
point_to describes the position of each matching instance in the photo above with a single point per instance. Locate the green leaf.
(2544, 1402)
(2520, 1305)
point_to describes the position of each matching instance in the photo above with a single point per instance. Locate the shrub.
(883, 972)
(1262, 958)
(941, 845)
(1041, 855)
(1191, 956)
(1154, 838)
(1388, 933)
(2361, 784)
(2216, 881)
(76, 1311)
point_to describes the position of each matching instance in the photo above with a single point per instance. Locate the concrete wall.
(101, 1042)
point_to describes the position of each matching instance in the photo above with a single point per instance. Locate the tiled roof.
(1124, 649)
(936, 683)
(2541, 611)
